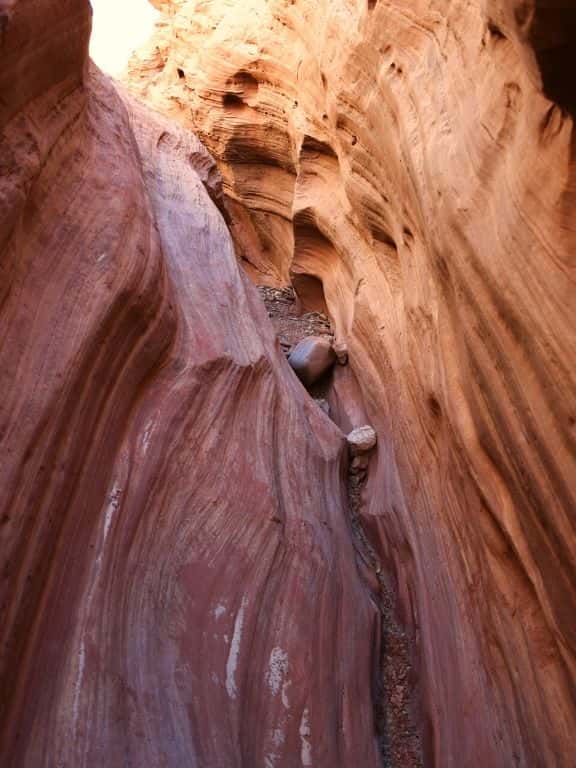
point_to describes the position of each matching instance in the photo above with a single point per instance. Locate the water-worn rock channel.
(394, 689)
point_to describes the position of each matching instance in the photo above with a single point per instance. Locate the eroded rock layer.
(417, 159)
(179, 585)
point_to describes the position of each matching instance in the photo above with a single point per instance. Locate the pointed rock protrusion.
(341, 351)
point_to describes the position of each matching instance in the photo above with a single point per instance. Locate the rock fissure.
(393, 681)
(395, 691)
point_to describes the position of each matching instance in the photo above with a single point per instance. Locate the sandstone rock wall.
(411, 156)
(179, 585)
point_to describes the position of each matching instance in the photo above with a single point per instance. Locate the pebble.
(361, 440)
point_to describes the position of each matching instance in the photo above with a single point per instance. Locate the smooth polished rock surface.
(312, 358)
(418, 159)
(179, 585)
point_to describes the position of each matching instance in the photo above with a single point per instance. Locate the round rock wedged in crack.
(312, 358)
(361, 440)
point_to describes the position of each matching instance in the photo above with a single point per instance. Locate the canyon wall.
(179, 585)
(412, 163)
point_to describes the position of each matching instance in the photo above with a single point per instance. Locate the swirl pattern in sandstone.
(179, 586)
(417, 158)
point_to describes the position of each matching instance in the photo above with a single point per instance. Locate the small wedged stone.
(312, 358)
(361, 440)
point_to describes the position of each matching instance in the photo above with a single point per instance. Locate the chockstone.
(362, 440)
(312, 358)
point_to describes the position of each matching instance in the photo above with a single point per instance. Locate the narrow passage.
(394, 683)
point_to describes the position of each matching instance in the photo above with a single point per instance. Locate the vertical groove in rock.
(396, 701)
(395, 696)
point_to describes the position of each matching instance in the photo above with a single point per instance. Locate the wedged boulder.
(312, 358)
(361, 440)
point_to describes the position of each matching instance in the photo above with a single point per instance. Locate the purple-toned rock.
(312, 358)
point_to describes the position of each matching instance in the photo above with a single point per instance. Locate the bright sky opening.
(118, 29)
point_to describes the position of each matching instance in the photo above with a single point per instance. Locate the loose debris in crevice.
(399, 740)
(290, 328)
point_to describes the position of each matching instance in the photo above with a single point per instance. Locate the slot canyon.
(207, 559)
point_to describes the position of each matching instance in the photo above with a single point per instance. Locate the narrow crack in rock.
(400, 743)
(393, 688)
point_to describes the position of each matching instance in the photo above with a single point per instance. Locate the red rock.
(152, 612)
(411, 164)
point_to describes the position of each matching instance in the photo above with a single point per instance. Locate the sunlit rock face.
(417, 158)
(179, 585)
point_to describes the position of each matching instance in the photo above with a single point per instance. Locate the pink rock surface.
(179, 586)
